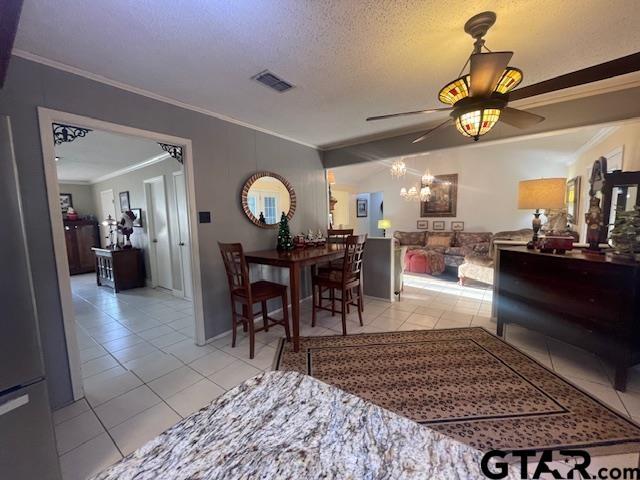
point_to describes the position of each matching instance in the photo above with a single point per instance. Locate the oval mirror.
(265, 196)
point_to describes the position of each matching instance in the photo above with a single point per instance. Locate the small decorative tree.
(625, 235)
(285, 241)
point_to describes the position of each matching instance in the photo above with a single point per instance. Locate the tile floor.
(143, 373)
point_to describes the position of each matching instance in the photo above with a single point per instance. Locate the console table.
(591, 301)
(120, 269)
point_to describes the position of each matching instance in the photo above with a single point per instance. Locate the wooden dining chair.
(245, 293)
(347, 281)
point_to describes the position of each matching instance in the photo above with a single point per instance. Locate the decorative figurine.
(593, 219)
(125, 227)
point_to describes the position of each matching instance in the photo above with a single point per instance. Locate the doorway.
(158, 233)
(107, 209)
(116, 202)
(184, 243)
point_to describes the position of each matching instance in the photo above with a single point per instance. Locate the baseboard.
(177, 293)
(257, 318)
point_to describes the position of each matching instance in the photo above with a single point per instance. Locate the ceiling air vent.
(272, 81)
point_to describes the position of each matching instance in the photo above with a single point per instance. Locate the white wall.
(488, 179)
(82, 197)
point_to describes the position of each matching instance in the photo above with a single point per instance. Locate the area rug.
(468, 384)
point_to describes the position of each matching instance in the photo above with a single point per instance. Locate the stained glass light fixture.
(475, 119)
(398, 168)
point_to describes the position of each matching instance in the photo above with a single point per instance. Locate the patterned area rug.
(468, 384)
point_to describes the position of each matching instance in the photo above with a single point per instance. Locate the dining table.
(294, 261)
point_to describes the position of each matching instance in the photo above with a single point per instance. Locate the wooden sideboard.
(591, 301)
(120, 269)
(80, 237)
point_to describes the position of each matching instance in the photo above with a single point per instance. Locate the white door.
(184, 243)
(159, 241)
(107, 207)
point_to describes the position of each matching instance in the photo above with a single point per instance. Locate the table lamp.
(383, 225)
(542, 193)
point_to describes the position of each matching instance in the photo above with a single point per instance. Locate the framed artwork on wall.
(124, 201)
(66, 202)
(362, 207)
(438, 225)
(573, 200)
(138, 213)
(457, 226)
(422, 224)
(443, 201)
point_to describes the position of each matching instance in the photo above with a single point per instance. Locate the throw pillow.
(439, 239)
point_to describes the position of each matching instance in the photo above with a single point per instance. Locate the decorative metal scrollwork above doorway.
(174, 150)
(67, 133)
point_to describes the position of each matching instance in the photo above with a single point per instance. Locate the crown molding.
(145, 93)
(122, 171)
(599, 137)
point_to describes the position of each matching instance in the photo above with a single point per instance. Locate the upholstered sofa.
(479, 266)
(454, 246)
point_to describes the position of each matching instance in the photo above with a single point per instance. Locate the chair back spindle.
(236, 267)
(352, 263)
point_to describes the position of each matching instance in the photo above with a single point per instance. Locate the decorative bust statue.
(593, 219)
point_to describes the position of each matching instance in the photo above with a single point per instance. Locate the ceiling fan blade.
(519, 118)
(595, 73)
(486, 70)
(425, 134)
(391, 115)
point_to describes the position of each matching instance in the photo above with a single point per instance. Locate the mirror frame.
(245, 194)
(611, 180)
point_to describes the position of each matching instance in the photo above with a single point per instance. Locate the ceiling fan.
(480, 98)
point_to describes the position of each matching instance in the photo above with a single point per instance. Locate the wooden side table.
(119, 269)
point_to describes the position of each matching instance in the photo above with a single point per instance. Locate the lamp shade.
(542, 193)
(384, 224)
(331, 177)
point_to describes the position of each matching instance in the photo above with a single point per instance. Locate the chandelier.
(398, 168)
(425, 189)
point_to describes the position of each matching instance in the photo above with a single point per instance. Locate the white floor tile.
(70, 411)
(103, 390)
(193, 398)
(212, 362)
(168, 339)
(121, 408)
(175, 381)
(234, 374)
(98, 365)
(153, 366)
(136, 431)
(77, 430)
(89, 458)
(136, 351)
(187, 351)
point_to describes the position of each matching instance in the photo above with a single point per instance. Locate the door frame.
(46, 117)
(153, 253)
(113, 200)
(181, 293)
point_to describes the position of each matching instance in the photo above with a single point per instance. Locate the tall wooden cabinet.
(81, 236)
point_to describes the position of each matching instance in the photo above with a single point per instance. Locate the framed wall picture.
(124, 201)
(443, 201)
(457, 226)
(66, 202)
(573, 200)
(438, 225)
(362, 207)
(138, 213)
(422, 224)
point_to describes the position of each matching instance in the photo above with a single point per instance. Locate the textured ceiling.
(101, 153)
(561, 147)
(348, 58)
